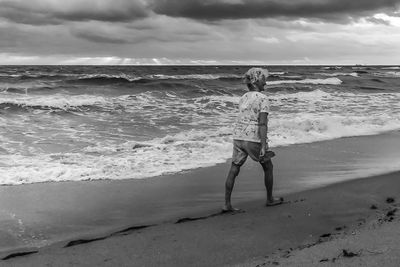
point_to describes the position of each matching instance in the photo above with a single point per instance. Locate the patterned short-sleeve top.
(251, 104)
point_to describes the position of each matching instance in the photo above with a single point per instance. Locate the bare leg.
(268, 169)
(230, 182)
(268, 178)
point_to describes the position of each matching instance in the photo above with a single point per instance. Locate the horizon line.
(222, 64)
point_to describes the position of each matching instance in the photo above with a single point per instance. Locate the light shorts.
(242, 149)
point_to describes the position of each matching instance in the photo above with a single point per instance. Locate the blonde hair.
(254, 75)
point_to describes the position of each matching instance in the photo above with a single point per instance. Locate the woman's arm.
(263, 128)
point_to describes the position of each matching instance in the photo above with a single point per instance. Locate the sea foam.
(110, 159)
(328, 81)
(353, 74)
(391, 68)
(56, 101)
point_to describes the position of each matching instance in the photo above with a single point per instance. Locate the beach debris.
(389, 200)
(373, 207)
(268, 263)
(390, 215)
(83, 241)
(121, 232)
(340, 228)
(310, 244)
(345, 253)
(325, 235)
(286, 254)
(391, 212)
(19, 254)
(132, 229)
(349, 254)
(189, 219)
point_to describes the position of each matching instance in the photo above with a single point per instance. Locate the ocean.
(74, 123)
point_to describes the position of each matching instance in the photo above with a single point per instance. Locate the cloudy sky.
(200, 32)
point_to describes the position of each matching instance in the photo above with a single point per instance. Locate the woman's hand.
(264, 149)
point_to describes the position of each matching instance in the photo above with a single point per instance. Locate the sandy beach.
(175, 220)
(340, 214)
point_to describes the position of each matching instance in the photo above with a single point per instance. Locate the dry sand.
(284, 235)
(376, 244)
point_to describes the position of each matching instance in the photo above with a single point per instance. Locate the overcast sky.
(199, 32)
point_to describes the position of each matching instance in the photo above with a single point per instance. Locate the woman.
(250, 136)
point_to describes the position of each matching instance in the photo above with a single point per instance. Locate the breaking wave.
(387, 74)
(328, 81)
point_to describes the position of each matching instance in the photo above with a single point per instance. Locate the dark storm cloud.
(239, 9)
(38, 12)
(25, 16)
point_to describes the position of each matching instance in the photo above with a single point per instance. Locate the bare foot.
(274, 201)
(226, 208)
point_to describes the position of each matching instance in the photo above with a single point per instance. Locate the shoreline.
(347, 139)
(250, 235)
